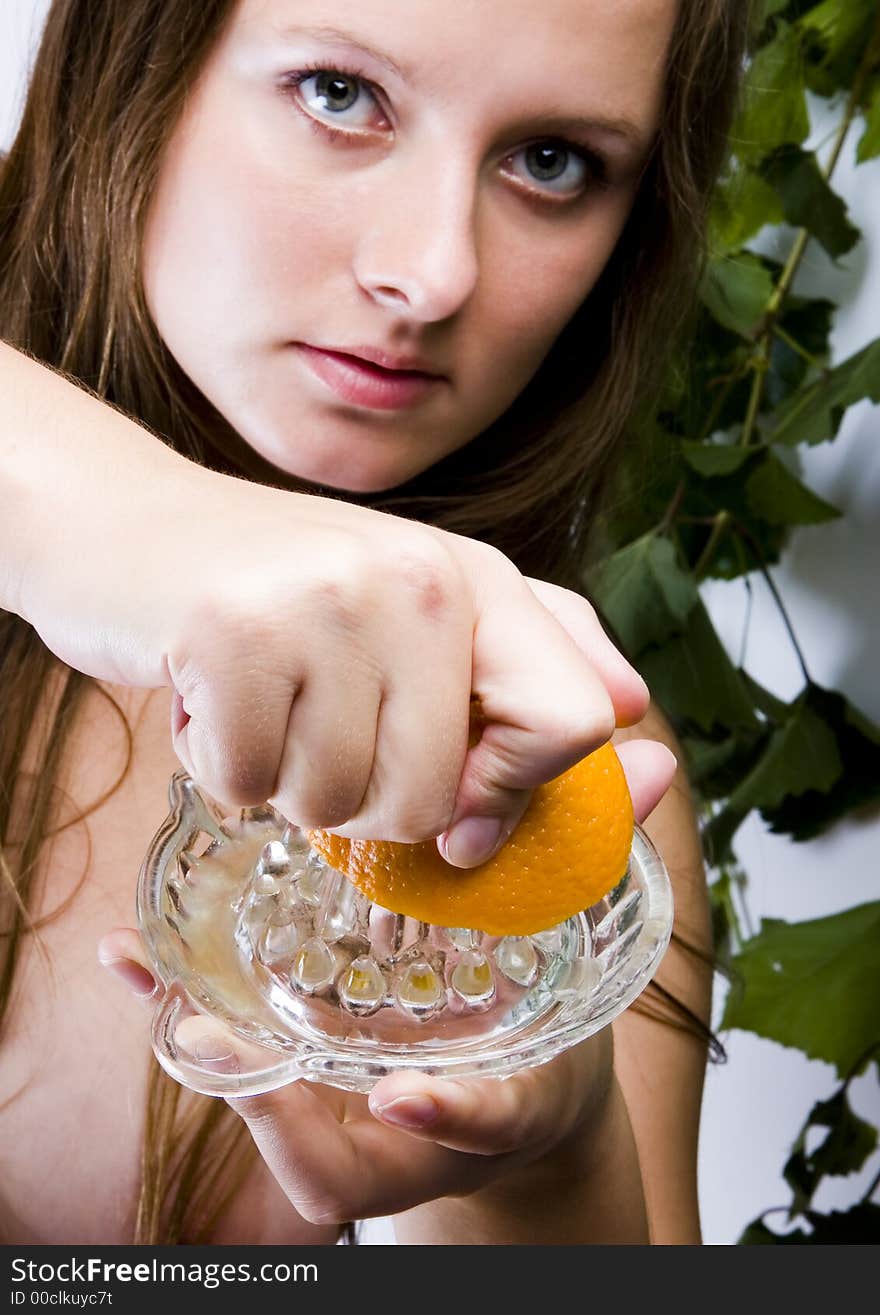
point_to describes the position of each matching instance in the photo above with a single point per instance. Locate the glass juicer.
(250, 931)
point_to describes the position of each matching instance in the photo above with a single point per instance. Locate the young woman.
(411, 279)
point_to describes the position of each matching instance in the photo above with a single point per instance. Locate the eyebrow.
(572, 125)
(335, 36)
(562, 124)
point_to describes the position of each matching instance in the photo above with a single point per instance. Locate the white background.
(755, 1104)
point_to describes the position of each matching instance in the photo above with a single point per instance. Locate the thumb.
(542, 707)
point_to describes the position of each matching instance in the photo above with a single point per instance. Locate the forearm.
(61, 452)
(587, 1191)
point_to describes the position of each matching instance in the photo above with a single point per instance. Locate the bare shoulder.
(660, 1055)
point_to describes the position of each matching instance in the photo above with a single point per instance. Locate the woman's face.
(373, 220)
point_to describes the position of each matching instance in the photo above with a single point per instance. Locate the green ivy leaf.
(841, 1227)
(775, 107)
(815, 413)
(869, 142)
(741, 208)
(777, 710)
(718, 835)
(750, 540)
(813, 985)
(649, 473)
(845, 1148)
(706, 757)
(757, 1234)
(736, 289)
(644, 592)
(845, 1227)
(835, 35)
(778, 496)
(801, 755)
(716, 764)
(807, 200)
(694, 679)
(857, 786)
(715, 458)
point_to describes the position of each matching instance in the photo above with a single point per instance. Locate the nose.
(417, 249)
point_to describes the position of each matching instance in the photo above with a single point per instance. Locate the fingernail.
(210, 1049)
(408, 1111)
(138, 980)
(471, 841)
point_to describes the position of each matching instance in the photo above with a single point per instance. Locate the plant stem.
(768, 579)
(760, 369)
(733, 923)
(798, 348)
(671, 511)
(745, 917)
(718, 403)
(720, 523)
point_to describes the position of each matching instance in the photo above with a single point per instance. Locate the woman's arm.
(63, 454)
(142, 568)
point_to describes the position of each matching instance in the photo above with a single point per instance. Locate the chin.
(337, 474)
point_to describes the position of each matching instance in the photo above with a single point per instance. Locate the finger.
(421, 732)
(628, 691)
(233, 705)
(544, 708)
(649, 768)
(329, 746)
(521, 1115)
(335, 1168)
(121, 951)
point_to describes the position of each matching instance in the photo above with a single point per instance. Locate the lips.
(370, 377)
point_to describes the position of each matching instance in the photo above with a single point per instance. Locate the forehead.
(605, 55)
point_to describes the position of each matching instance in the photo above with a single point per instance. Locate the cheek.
(231, 237)
(534, 288)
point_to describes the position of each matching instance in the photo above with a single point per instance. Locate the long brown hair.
(108, 86)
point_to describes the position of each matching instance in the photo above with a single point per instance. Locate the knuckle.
(583, 606)
(414, 833)
(315, 815)
(247, 783)
(491, 557)
(337, 606)
(590, 730)
(424, 818)
(240, 613)
(428, 576)
(233, 772)
(339, 594)
(322, 807)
